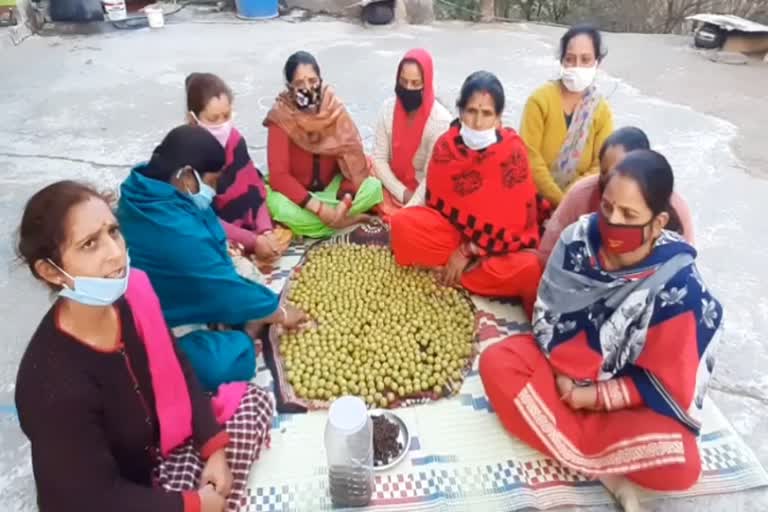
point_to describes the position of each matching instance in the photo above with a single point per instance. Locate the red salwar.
(652, 450)
(423, 237)
(388, 206)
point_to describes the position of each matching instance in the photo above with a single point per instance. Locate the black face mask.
(409, 98)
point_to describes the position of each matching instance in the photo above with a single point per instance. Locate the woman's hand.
(210, 500)
(341, 211)
(292, 317)
(565, 387)
(577, 397)
(337, 217)
(217, 473)
(287, 316)
(450, 275)
(266, 248)
(344, 219)
(326, 213)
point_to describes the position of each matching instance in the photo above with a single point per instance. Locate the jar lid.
(348, 414)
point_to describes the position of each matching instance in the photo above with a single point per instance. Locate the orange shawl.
(328, 132)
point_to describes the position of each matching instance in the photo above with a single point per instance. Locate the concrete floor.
(90, 107)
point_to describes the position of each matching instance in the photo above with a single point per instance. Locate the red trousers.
(422, 237)
(653, 451)
(388, 207)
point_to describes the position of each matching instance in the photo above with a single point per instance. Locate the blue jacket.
(184, 251)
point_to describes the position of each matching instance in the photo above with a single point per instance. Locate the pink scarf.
(172, 403)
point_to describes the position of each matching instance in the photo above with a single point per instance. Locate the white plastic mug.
(155, 16)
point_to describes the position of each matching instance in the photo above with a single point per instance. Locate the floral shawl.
(655, 323)
(564, 167)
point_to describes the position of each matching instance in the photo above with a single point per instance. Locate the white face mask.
(477, 139)
(578, 79)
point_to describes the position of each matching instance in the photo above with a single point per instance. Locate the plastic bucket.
(115, 9)
(256, 9)
(155, 16)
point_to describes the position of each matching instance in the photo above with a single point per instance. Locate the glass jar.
(349, 450)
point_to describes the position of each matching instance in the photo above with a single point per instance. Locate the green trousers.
(305, 223)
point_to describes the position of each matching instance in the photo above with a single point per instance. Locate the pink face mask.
(220, 131)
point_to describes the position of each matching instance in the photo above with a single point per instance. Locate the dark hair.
(43, 225)
(482, 81)
(185, 145)
(583, 29)
(202, 88)
(295, 60)
(629, 137)
(653, 174)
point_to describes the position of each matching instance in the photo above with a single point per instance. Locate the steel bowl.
(404, 437)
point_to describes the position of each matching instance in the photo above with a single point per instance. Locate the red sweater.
(295, 172)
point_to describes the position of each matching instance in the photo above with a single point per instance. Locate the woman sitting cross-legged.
(173, 234)
(613, 379)
(241, 197)
(318, 172)
(565, 122)
(408, 127)
(115, 415)
(480, 204)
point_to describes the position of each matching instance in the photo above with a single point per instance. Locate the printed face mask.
(621, 238)
(307, 98)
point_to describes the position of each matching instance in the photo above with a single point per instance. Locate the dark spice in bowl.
(386, 446)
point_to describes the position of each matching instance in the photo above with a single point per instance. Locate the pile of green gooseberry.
(379, 331)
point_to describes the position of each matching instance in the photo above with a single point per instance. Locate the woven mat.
(461, 458)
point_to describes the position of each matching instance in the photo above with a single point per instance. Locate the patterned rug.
(461, 458)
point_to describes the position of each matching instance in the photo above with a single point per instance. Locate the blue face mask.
(95, 291)
(205, 193)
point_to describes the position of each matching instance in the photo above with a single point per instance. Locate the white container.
(349, 449)
(155, 16)
(115, 9)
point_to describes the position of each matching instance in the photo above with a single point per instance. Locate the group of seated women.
(133, 390)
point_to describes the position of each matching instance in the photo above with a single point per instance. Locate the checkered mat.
(461, 458)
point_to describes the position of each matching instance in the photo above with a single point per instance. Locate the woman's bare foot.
(623, 491)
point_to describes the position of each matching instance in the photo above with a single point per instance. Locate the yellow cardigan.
(543, 129)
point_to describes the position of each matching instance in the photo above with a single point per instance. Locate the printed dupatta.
(564, 167)
(655, 323)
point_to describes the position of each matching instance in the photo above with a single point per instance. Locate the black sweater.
(91, 419)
